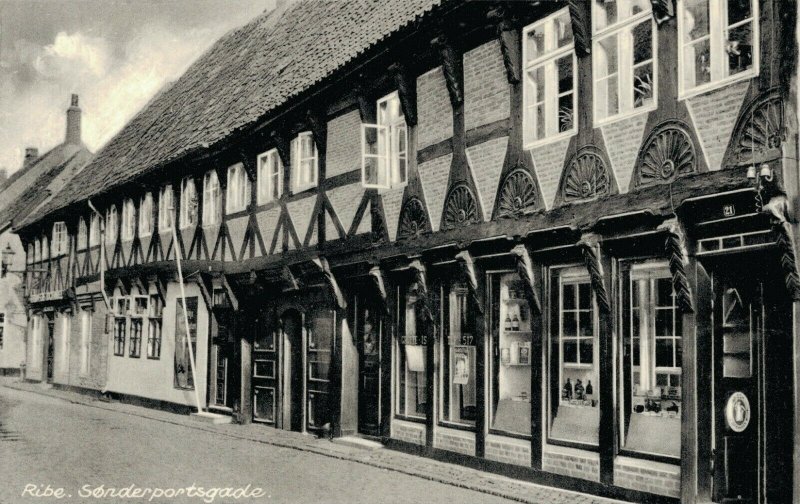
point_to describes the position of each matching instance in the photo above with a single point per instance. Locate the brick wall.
(571, 462)
(344, 144)
(486, 88)
(434, 175)
(454, 441)
(409, 432)
(549, 162)
(345, 201)
(267, 222)
(300, 211)
(486, 160)
(392, 201)
(714, 115)
(647, 476)
(623, 140)
(510, 451)
(236, 230)
(435, 114)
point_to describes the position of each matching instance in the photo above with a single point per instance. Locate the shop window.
(154, 326)
(575, 388)
(511, 351)
(550, 78)
(384, 146)
(270, 177)
(121, 307)
(165, 208)
(304, 161)
(111, 225)
(128, 219)
(320, 338)
(718, 40)
(212, 199)
(94, 230)
(86, 330)
(137, 316)
(652, 364)
(412, 381)
(624, 62)
(82, 235)
(183, 366)
(188, 215)
(459, 390)
(238, 195)
(146, 215)
(59, 238)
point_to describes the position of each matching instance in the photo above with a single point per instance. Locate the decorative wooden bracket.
(377, 275)
(451, 67)
(525, 271)
(778, 207)
(581, 29)
(282, 145)
(232, 297)
(204, 291)
(663, 10)
(290, 282)
(406, 89)
(467, 264)
(420, 277)
(161, 289)
(509, 42)
(325, 268)
(676, 252)
(319, 128)
(590, 248)
(366, 108)
(248, 160)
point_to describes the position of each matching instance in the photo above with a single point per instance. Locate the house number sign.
(737, 412)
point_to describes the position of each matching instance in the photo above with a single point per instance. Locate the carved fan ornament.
(667, 154)
(460, 207)
(587, 177)
(518, 195)
(761, 128)
(413, 219)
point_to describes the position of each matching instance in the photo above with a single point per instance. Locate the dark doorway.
(292, 329)
(266, 371)
(50, 330)
(369, 326)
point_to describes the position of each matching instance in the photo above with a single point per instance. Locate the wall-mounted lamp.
(764, 171)
(7, 259)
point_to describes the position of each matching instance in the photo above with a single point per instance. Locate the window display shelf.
(518, 334)
(515, 301)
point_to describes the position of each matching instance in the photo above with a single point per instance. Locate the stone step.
(358, 442)
(212, 418)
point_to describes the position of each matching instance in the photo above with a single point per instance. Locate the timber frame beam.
(675, 247)
(333, 284)
(589, 246)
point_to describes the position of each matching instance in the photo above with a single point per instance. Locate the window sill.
(304, 188)
(514, 435)
(146, 235)
(456, 426)
(574, 445)
(551, 139)
(384, 190)
(714, 86)
(651, 457)
(211, 225)
(598, 123)
(404, 418)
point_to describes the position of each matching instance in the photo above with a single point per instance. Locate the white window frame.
(45, 249)
(60, 238)
(85, 350)
(238, 190)
(146, 215)
(112, 228)
(186, 194)
(392, 162)
(717, 26)
(128, 220)
(212, 196)
(165, 208)
(576, 278)
(83, 237)
(30, 255)
(548, 62)
(303, 181)
(622, 31)
(94, 230)
(269, 180)
(37, 256)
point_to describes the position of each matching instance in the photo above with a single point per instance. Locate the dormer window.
(165, 208)
(238, 191)
(212, 199)
(128, 219)
(146, 215)
(384, 146)
(82, 234)
(111, 224)
(304, 162)
(270, 177)
(188, 203)
(59, 238)
(550, 79)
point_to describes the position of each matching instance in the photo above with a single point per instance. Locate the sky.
(115, 54)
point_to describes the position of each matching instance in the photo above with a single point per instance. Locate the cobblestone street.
(66, 440)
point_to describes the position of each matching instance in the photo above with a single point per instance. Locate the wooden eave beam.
(234, 299)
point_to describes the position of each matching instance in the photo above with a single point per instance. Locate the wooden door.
(369, 370)
(266, 373)
(50, 330)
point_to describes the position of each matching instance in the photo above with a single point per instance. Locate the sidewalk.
(381, 458)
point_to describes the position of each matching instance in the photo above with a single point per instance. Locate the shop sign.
(414, 339)
(47, 296)
(728, 210)
(462, 339)
(737, 412)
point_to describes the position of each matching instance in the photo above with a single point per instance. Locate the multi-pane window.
(165, 208)
(86, 329)
(29, 256)
(183, 369)
(459, 384)
(37, 254)
(574, 392)
(111, 224)
(412, 381)
(154, 317)
(652, 362)
(128, 219)
(238, 190)
(146, 215)
(59, 238)
(304, 161)
(82, 234)
(624, 57)
(270, 177)
(718, 41)
(384, 146)
(212, 199)
(94, 230)
(188, 203)
(137, 316)
(121, 306)
(550, 78)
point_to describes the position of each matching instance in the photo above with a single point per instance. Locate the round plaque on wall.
(737, 412)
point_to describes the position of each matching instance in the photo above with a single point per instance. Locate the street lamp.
(7, 261)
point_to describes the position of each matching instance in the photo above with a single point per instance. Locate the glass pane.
(318, 369)
(568, 296)
(540, 127)
(739, 47)
(642, 42)
(535, 43)
(636, 353)
(587, 351)
(563, 28)
(664, 353)
(605, 14)
(585, 296)
(695, 19)
(536, 79)
(570, 327)
(697, 64)
(678, 352)
(570, 349)
(736, 366)
(585, 324)
(664, 292)
(664, 323)
(566, 113)
(565, 74)
(607, 63)
(462, 403)
(643, 85)
(608, 98)
(738, 10)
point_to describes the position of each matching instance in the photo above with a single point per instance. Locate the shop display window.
(575, 387)
(412, 379)
(652, 364)
(320, 337)
(458, 361)
(511, 351)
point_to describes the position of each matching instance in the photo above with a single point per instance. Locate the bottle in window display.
(515, 323)
(507, 323)
(579, 390)
(566, 392)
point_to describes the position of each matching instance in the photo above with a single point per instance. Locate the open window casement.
(399, 161)
(375, 156)
(304, 161)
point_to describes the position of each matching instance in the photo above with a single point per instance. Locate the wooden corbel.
(290, 282)
(509, 42)
(663, 10)
(232, 297)
(452, 68)
(581, 30)
(423, 298)
(406, 90)
(161, 289)
(377, 275)
(248, 160)
(676, 252)
(325, 268)
(319, 127)
(204, 291)
(467, 263)
(366, 107)
(124, 285)
(778, 208)
(281, 143)
(589, 246)
(525, 271)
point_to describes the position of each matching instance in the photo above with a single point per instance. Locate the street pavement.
(99, 452)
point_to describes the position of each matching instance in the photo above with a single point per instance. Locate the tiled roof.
(248, 73)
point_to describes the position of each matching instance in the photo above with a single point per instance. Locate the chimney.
(31, 155)
(74, 122)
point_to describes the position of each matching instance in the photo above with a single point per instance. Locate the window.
(412, 380)
(138, 312)
(121, 306)
(94, 230)
(146, 215)
(111, 224)
(384, 146)
(128, 219)
(270, 177)
(238, 195)
(212, 199)
(29, 256)
(624, 57)
(86, 330)
(38, 253)
(652, 362)
(2, 327)
(45, 249)
(188, 203)
(304, 161)
(154, 316)
(63, 353)
(459, 400)
(574, 386)
(165, 208)
(82, 234)
(550, 78)
(183, 369)
(59, 238)
(511, 356)
(35, 361)
(718, 40)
